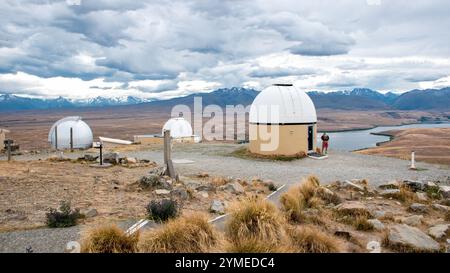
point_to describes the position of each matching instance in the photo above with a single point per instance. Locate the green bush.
(162, 210)
(64, 217)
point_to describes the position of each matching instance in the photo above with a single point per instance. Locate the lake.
(360, 139)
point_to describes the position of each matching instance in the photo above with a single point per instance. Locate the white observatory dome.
(82, 133)
(294, 106)
(179, 127)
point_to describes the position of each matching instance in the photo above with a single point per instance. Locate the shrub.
(301, 197)
(271, 186)
(109, 239)
(65, 217)
(162, 210)
(307, 239)
(255, 220)
(187, 234)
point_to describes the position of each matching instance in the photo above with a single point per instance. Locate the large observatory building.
(283, 121)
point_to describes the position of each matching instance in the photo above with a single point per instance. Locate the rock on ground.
(445, 191)
(352, 207)
(162, 192)
(234, 187)
(377, 224)
(111, 158)
(439, 231)
(412, 238)
(413, 220)
(417, 207)
(217, 206)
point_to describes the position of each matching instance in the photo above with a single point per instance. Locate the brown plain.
(431, 145)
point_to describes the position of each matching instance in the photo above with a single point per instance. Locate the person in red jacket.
(325, 138)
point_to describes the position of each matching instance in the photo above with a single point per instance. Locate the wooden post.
(71, 139)
(101, 153)
(56, 137)
(170, 170)
(8, 145)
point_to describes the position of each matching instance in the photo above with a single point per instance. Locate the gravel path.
(215, 159)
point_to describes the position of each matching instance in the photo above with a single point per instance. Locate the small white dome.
(179, 127)
(294, 106)
(82, 133)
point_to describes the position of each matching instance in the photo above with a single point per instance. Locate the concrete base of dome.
(286, 140)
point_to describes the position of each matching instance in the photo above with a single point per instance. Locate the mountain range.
(356, 99)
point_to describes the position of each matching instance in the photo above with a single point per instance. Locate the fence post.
(170, 170)
(413, 161)
(8, 145)
(71, 139)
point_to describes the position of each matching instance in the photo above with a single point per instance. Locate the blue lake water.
(355, 140)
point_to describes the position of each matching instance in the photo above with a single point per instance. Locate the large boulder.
(441, 207)
(350, 185)
(413, 220)
(404, 236)
(377, 224)
(217, 206)
(439, 231)
(111, 158)
(234, 187)
(180, 193)
(415, 185)
(417, 207)
(445, 191)
(352, 208)
(154, 181)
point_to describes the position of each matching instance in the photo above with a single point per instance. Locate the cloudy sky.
(163, 49)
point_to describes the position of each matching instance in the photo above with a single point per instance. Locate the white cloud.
(163, 49)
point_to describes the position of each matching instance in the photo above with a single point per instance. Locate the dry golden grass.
(109, 239)
(309, 239)
(187, 234)
(361, 223)
(406, 195)
(219, 181)
(301, 197)
(430, 144)
(255, 225)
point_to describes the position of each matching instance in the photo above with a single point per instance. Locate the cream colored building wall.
(293, 139)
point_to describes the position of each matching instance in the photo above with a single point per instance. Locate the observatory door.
(310, 137)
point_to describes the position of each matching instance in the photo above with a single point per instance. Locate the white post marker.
(413, 161)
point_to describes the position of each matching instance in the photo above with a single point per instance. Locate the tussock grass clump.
(406, 195)
(301, 197)
(308, 239)
(362, 223)
(255, 225)
(109, 239)
(219, 181)
(64, 217)
(187, 234)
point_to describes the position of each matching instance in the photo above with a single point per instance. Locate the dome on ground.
(179, 127)
(295, 106)
(82, 133)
